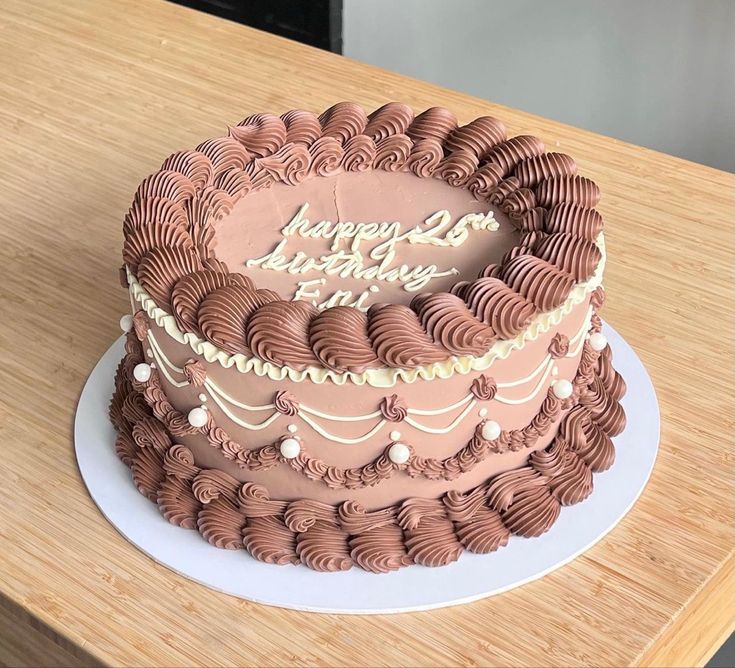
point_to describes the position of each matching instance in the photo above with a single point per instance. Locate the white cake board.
(472, 577)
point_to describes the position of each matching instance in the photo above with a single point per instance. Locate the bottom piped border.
(433, 532)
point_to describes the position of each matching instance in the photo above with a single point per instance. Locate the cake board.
(415, 588)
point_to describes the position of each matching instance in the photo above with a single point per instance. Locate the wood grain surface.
(93, 95)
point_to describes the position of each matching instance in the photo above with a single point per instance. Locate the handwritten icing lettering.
(347, 259)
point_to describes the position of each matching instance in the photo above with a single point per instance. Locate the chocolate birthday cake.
(365, 340)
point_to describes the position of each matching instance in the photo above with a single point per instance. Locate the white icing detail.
(399, 453)
(555, 371)
(482, 412)
(149, 352)
(255, 427)
(126, 322)
(562, 388)
(213, 388)
(348, 260)
(142, 372)
(292, 429)
(394, 435)
(383, 377)
(598, 342)
(531, 394)
(339, 439)
(202, 397)
(290, 448)
(449, 427)
(197, 417)
(340, 418)
(490, 430)
(440, 411)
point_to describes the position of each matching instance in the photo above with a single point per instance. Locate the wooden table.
(93, 95)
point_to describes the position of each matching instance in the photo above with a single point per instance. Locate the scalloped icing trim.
(379, 377)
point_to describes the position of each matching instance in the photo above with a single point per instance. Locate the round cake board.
(472, 577)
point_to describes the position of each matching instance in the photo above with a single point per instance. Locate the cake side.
(525, 501)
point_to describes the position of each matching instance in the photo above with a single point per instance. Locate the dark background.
(314, 22)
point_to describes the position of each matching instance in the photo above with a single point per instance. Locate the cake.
(365, 340)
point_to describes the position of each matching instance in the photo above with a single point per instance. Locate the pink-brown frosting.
(425, 158)
(559, 345)
(196, 166)
(494, 303)
(343, 121)
(260, 134)
(398, 338)
(484, 387)
(392, 153)
(289, 164)
(571, 218)
(597, 298)
(436, 124)
(326, 156)
(190, 291)
(575, 189)
(160, 269)
(429, 534)
(483, 181)
(168, 184)
(391, 119)
(518, 202)
(477, 137)
(532, 220)
(376, 541)
(359, 154)
(224, 314)
(340, 341)
(140, 324)
(394, 408)
(302, 127)
(538, 281)
(448, 321)
(194, 372)
(225, 154)
(507, 186)
(235, 182)
(575, 255)
(278, 332)
(509, 153)
(457, 167)
(544, 166)
(286, 403)
(148, 237)
(154, 211)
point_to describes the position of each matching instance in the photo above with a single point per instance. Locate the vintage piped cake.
(365, 339)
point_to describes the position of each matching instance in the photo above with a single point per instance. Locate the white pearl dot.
(490, 430)
(126, 322)
(562, 389)
(202, 397)
(395, 435)
(142, 372)
(482, 412)
(292, 429)
(555, 371)
(598, 341)
(149, 352)
(399, 453)
(197, 417)
(373, 288)
(290, 448)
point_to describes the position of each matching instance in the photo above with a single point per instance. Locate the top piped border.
(169, 237)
